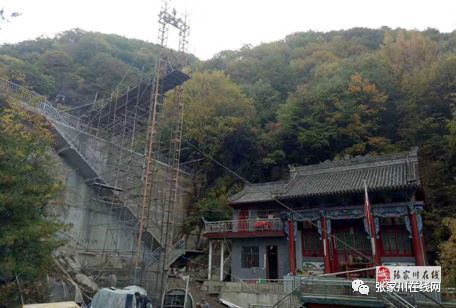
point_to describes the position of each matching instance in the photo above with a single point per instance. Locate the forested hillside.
(78, 65)
(307, 98)
(339, 94)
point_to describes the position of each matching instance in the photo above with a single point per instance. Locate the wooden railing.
(245, 225)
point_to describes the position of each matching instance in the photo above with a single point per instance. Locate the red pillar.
(325, 236)
(291, 246)
(418, 247)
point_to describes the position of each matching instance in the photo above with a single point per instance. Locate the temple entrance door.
(243, 215)
(272, 264)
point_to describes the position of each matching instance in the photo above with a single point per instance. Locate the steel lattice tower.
(168, 76)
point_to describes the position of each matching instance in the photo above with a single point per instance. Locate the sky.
(217, 25)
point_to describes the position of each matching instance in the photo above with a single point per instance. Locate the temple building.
(315, 221)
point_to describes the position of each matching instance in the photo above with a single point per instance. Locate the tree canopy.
(28, 192)
(339, 94)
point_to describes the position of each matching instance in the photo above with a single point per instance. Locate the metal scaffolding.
(138, 122)
(128, 146)
(166, 77)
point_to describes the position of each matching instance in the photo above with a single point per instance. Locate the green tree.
(357, 117)
(448, 254)
(217, 118)
(216, 121)
(338, 116)
(211, 206)
(266, 100)
(452, 136)
(28, 191)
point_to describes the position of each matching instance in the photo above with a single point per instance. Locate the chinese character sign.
(408, 278)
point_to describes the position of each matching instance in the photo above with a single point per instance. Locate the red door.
(243, 225)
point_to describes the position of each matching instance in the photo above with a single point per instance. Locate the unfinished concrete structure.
(126, 194)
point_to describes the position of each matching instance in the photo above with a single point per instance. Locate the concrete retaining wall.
(101, 235)
(110, 163)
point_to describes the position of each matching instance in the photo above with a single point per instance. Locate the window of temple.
(311, 245)
(396, 241)
(395, 238)
(250, 256)
(311, 241)
(353, 238)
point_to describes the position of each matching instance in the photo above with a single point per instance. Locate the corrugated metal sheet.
(392, 172)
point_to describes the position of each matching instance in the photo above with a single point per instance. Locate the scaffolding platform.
(174, 79)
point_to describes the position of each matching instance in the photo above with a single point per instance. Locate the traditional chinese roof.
(259, 192)
(338, 177)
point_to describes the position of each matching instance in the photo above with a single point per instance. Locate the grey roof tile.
(388, 172)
